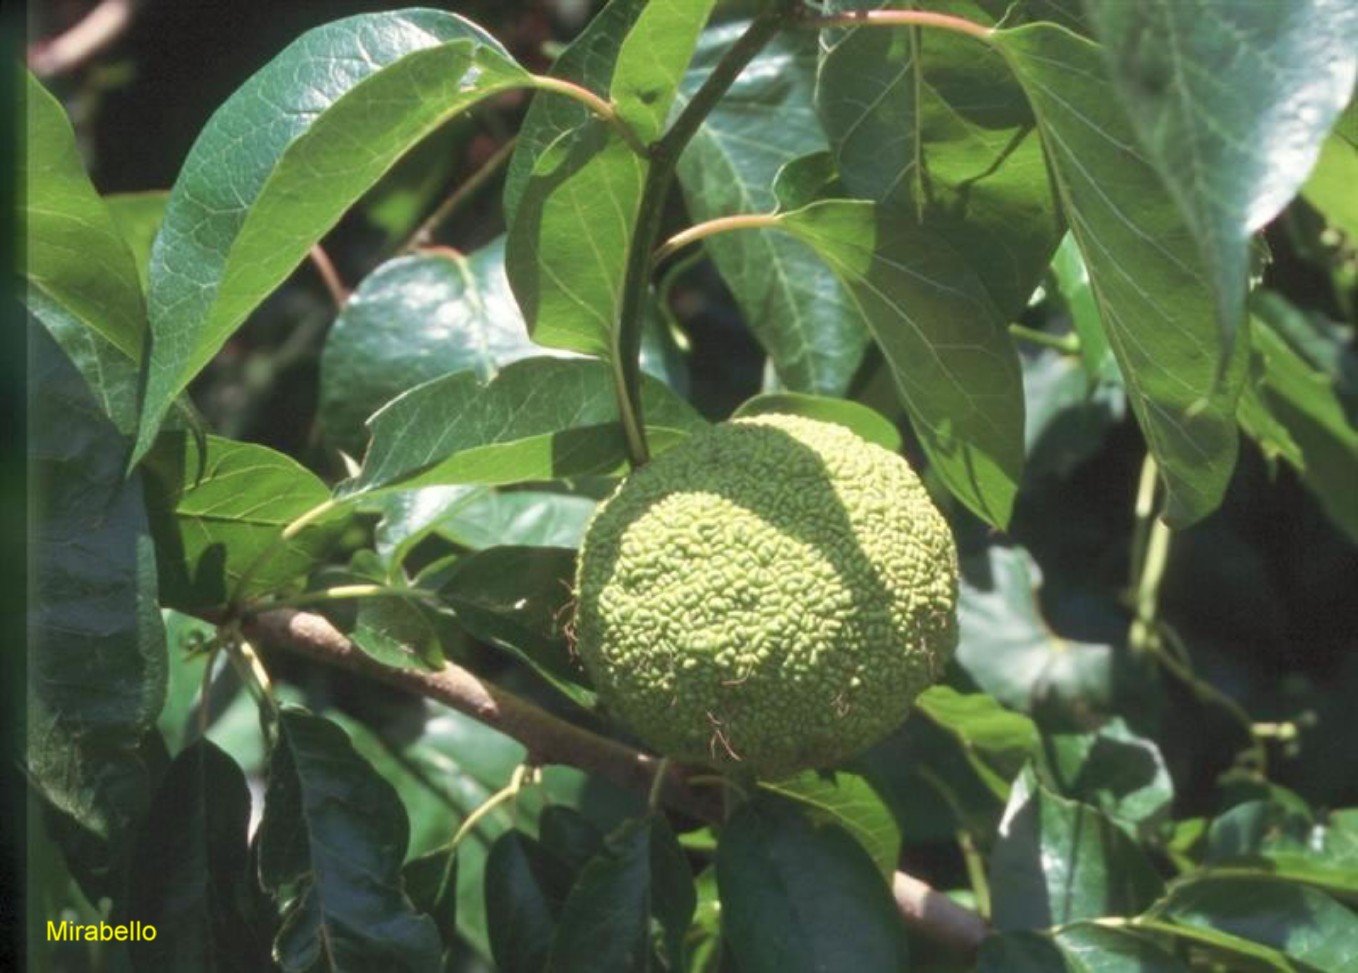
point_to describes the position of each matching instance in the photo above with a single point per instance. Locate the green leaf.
(570, 235)
(282, 160)
(331, 843)
(520, 599)
(539, 419)
(1059, 861)
(1293, 409)
(790, 299)
(74, 252)
(850, 802)
(96, 670)
(1330, 187)
(1079, 948)
(1007, 648)
(401, 632)
(996, 742)
(413, 319)
(1291, 844)
(217, 516)
(1231, 103)
(525, 889)
(934, 125)
(955, 367)
(1146, 273)
(1244, 918)
(1113, 769)
(651, 62)
(431, 883)
(1076, 293)
(138, 217)
(588, 61)
(1067, 414)
(868, 423)
(799, 897)
(186, 637)
(81, 279)
(191, 878)
(605, 921)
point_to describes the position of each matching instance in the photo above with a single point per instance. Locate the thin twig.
(469, 187)
(325, 269)
(701, 231)
(902, 18)
(550, 739)
(96, 32)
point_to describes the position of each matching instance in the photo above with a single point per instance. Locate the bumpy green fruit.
(768, 596)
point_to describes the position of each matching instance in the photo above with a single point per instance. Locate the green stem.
(510, 791)
(1067, 344)
(349, 592)
(664, 156)
(701, 231)
(265, 555)
(599, 106)
(903, 18)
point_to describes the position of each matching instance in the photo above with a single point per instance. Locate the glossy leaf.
(413, 319)
(539, 419)
(138, 217)
(282, 160)
(1008, 649)
(651, 62)
(1151, 286)
(96, 669)
(789, 298)
(1113, 769)
(568, 243)
(995, 741)
(869, 424)
(796, 897)
(81, 278)
(955, 367)
(1269, 837)
(1288, 927)
(520, 599)
(1058, 861)
(330, 848)
(191, 878)
(1231, 102)
(605, 921)
(934, 125)
(215, 516)
(1078, 948)
(847, 801)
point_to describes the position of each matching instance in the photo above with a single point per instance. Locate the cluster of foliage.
(1002, 237)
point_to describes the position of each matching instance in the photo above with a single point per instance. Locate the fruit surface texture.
(768, 596)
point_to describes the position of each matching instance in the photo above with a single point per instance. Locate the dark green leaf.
(413, 319)
(1259, 918)
(1067, 413)
(190, 877)
(995, 741)
(1145, 270)
(869, 424)
(569, 836)
(331, 844)
(431, 883)
(283, 159)
(570, 236)
(605, 921)
(525, 889)
(651, 62)
(1293, 410)
(216, 516)
(138, 217)
(1058, 861)
(805, 180)
(401, 631)
(1113, 769)
(955, 368)
(1080, 948)
(788, 297)
(934, 125)
(96, 670)
(1290, 843)
(539, 419)
(797, 897)
(850, 802)
(1007, 648)
(75, 255)
(520, 599)
(1231, 102)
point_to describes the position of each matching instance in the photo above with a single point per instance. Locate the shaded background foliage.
(1260, 592)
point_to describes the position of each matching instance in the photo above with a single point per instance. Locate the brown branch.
(550, 739)
(100, 28)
